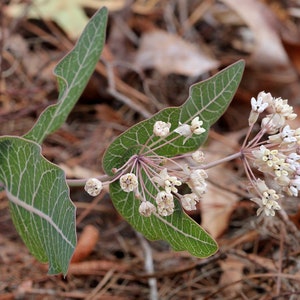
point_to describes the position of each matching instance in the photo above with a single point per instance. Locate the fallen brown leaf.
(96, 267)
(268, 51)
(169, 53)
(232, 272)
(217, 203)
(293, 51)
(87, 241)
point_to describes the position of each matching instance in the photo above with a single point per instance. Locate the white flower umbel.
(188, 130)
(161, 128)
(189, 201)
(93, 186)
(165, 203)
(146, 208)
(128, 182)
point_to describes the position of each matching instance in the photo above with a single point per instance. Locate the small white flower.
(261, 185)
(272, 123)
(184, 129)
(198, 175)
(283, 109)
(282, 168)
(128, 182)
(297, 135)
(258, 105)
(269, 209)
(93, 186)
(281, 112)
(294, 186)
(161, 128)
(269, 195)
(165, 203)
(265, 158)
(188, 130)
(266, 97)
(197, 182)
(167, 182)
(268, 201)
(293, 160)
(196, 126)
(189, 201)
(146, 209)
(288, 136)
(198, 156)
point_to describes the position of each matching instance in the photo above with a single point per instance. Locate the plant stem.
(222, 160)
(81, 182)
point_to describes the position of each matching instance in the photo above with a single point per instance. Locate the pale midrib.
(72, 85)
(180, 231)
(39, 213)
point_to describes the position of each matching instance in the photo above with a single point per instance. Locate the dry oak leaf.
(232, 272)
(268, 49)
(169, 53)
(217, 204)
(68, 14)
(86, 244)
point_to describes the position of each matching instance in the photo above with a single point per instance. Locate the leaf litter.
(257, 259)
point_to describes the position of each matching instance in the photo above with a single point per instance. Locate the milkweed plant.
(155, 170)
(277, 155)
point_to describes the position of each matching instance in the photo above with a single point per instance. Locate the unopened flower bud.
(198, 156)
(93, 186)
(161, 128)
(189, 201)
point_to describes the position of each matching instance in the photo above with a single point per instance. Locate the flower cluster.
(156, 181)
(165, 180)
(277, 156)
(165, 175)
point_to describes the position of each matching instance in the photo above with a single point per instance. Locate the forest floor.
(155, 50)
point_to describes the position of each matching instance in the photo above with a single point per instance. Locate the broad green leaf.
(40, 205)
(73, 73)
(208, 100)
(179, 230)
